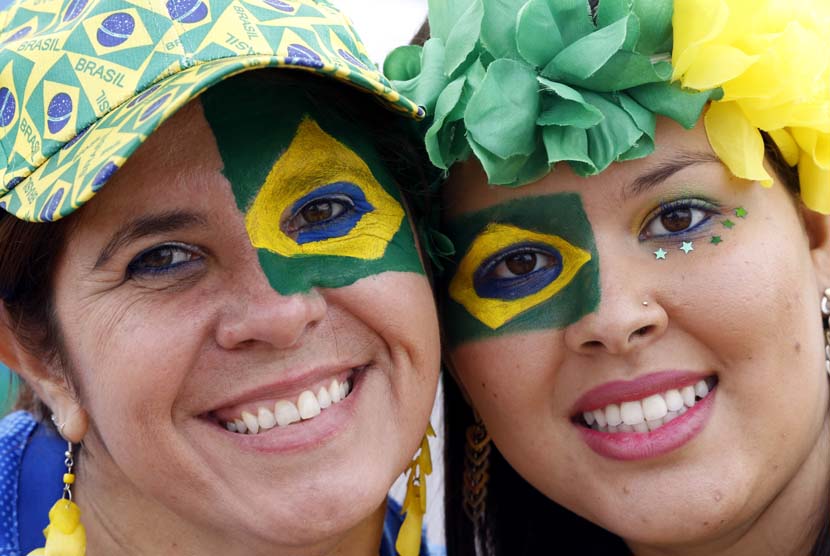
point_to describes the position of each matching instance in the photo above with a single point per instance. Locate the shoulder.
(15, 430)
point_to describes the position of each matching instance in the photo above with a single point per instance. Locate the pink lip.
(620, 391)
(629, 446)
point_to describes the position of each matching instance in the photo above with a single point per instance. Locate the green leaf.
(425, 88)
(501, 115)
(463, 37)
(586, 56)
(538, 38)
(562, 105)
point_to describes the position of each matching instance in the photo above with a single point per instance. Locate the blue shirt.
(31, 461)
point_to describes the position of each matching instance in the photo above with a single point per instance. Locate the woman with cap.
(211, 285)
(638, 196)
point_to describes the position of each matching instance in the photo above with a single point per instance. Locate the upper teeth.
(285, 412)
(646, 414)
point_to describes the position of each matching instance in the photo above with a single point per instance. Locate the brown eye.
(318, 211)
(521, 263)
(163, 259)
(677, 220)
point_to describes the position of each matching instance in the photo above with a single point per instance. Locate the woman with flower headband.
(636, 309)
(211, 286)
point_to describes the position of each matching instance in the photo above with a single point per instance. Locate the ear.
(48, 383)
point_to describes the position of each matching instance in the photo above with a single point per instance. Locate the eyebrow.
(664, 170)
(146, 226)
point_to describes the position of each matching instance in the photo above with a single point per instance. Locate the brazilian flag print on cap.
(527, 264)
(84, 82)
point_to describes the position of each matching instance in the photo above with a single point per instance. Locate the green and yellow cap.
(84, 82)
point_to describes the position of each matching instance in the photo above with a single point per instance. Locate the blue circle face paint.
(281, 6)
(75, 8)
(300, 55)
(518, 271)
(59, 112)
(116, 29)
(339, 207)
(8, 106)
(187, 11)
(48, 212)
(103, 175)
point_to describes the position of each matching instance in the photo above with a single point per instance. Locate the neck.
(120, 520)
(788, 526)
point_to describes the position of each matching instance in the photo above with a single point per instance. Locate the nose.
(271, 318)
(627, 318)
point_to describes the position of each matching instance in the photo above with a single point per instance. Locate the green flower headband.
(524, 84)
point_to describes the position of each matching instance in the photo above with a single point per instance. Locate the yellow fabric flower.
(770, 57)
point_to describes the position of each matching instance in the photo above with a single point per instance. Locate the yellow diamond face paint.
(527, 264)
(320, 206)
(492, 292)
(319, 173)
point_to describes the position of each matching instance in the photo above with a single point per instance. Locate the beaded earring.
(415, 503)
(65, 534)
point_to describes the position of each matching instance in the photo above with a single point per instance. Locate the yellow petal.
(736, 141)
(695, 22)
(787, 145)
(716, 65)
(815, 185)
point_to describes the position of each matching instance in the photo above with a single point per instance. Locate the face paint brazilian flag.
(526, 264)
(319, 206)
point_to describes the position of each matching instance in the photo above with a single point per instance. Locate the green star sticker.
(716, 240)
(728, 224)
(687, 246)
(740, 212)
(661, 253)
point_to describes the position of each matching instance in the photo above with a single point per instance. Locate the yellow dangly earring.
(415, 503)
(65, 534)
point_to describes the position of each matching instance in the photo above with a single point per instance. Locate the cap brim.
(72, 176)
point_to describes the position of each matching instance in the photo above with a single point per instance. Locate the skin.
(754, 480)
(150, 354)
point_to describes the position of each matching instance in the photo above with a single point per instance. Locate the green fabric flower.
(524, 84)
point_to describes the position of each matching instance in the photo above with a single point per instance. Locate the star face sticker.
(728, 224)
(740, 212)
(660, 254)
(716, 240)
(687, 246)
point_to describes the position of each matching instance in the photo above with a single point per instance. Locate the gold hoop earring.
(65, 534)
(415, 502)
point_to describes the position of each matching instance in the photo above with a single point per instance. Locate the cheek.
(509, 379)
(400, 309)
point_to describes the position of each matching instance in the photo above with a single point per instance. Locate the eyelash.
(195, 256)
(346, 204)
(547, 267)
(708, 208)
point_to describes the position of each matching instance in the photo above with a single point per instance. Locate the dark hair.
(519, 520)
(30, 251)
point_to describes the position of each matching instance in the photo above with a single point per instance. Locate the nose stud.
(645, 303)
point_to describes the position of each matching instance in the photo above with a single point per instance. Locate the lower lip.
(630, 446)
(304, 435)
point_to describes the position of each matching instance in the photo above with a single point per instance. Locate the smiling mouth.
(649, 413)
(261, 416)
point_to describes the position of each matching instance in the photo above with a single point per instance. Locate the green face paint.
(319, 206)
(528, 264)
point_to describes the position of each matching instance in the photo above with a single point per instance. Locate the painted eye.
(161, 259)
(518, 271)
(521, 264)
(677, 218)
(319, 212)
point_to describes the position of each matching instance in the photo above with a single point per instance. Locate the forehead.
(467, 189)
